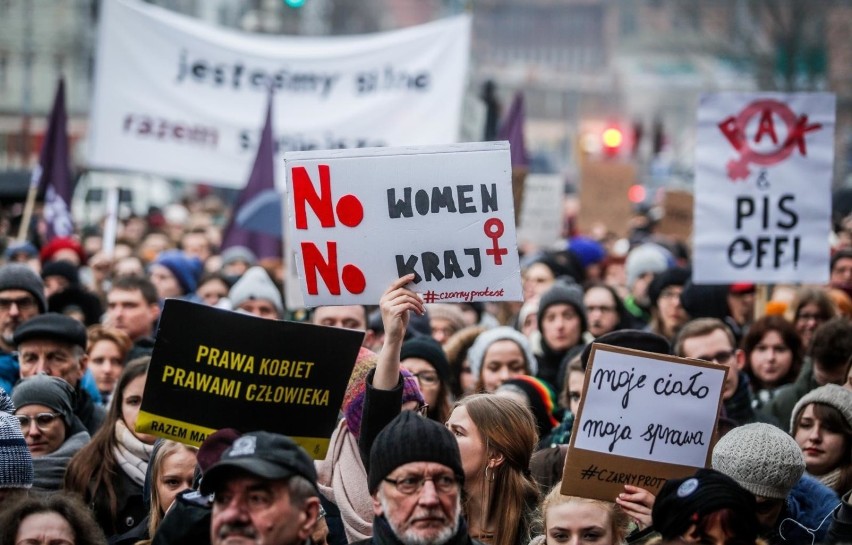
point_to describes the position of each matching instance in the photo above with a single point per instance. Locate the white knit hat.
(503, 333)
(761, 458)
(832, 395)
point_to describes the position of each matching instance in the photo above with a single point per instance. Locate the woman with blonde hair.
(107, 349)
(570, 519)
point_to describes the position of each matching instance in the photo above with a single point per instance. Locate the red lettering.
(797, 134)
(766, 126)
(731, 132)
(304, 192)
(314, 262)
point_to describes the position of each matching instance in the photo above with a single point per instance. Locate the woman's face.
(823, 448)
(771, 359)
(471, 445)
(166, 283)
(577, 523)
(175, 476)
(808, 319)
(212, 291)
(576, 380)
(106, 364)
(671, 311)
(503, 360)
(130, 404)
(560, 326)
(430, 382)
(537, 278)
(46, 527)
(44, 438)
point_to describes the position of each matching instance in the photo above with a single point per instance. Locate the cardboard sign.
(603, 196)
(542, 211)
(185, 99)
(360, 219)
(763, 170)
(214, 369)
(644, 418)
(677, 215)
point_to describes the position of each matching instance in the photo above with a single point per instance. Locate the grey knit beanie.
(761, 458)
(16, 276)
(563, 293)
(256, 284)
(832, 395)
(49, 391)
(16, 462)
(647, 258)
(485, 339)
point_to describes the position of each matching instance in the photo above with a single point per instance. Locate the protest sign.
(214, 369)
(182, 98)
(763, 169)
(360, 219)
(643, 418)
(603, 196)
(542, 211)
(677, 215)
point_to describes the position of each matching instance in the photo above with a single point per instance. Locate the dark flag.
(260, 183)
(512, 129)
(52, 176)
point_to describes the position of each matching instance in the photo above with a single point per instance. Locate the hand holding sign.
(395, 305)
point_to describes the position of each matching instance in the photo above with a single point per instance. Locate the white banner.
(763, 169)
(359, 219)
(177, 97)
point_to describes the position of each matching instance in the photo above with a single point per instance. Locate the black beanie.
(683, 502)
(428, 349)
(15, 276)
(677, 276)
(65, 269)
(412, 438)
(629, 338)
(570, 294)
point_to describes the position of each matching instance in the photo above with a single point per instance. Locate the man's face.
(347, 317)
(16, 307)
(601, 312)
(253, 511)
(428, 516)
(716, 347)
(131, 313)
(841, 273)
(261, 308)
(53, 358)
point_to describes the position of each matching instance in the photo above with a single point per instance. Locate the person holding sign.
(569, 519)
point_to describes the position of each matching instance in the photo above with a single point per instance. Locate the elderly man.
(21, 298)
(416, 479)
(55, 345)
(264, 492)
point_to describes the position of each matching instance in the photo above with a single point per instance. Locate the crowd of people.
(456, 420)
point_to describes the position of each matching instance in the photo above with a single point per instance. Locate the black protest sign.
(214, 369)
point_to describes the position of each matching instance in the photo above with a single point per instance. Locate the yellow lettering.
(168, 371)
(202, 351)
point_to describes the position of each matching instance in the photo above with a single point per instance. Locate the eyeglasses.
(23, 303)
(602, 309)
(428, 378)
(42, 420)
(670, 294)
(409, 485)
(723, 357)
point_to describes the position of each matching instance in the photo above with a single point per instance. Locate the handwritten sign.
(542, 211)
(763, 170)
(644, 418)
(603, 196)
(359, 219)
(213, 369)
(677, 215)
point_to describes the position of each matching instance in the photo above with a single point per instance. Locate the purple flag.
(512, 129)
(262, 180)
(52, 175)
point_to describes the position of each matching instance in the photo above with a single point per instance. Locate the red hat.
(61, 243)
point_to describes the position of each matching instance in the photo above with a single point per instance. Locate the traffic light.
(612, 139)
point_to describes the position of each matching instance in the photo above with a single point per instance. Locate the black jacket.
(383, 535)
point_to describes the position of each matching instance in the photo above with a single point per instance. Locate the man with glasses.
(415, 476)
(21, 298)
(264, 491)
(709, 339)
(55, 345)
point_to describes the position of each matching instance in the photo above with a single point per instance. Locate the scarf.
(383, 534)
(50, 468)
(342, 479)
(131, 454)
(830, 479)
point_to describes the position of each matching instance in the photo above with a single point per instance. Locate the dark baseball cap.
(262, 454)
(52, 326)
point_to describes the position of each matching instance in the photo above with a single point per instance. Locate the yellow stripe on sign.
(168, 428)
(193, 435)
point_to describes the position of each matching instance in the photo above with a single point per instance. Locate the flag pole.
(28, 212)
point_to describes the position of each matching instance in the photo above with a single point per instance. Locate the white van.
(137, 193)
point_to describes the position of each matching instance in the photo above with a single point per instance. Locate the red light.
(612, 137)
(636, 193)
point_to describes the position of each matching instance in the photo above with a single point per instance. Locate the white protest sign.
(763, 169)
(360, 219)
(542, 210)
(644, 418)
(179, 97)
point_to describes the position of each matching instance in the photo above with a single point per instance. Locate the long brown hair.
(158, 460)
(507, 428)
(832, 420)
(757, 331)
(93, 471)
